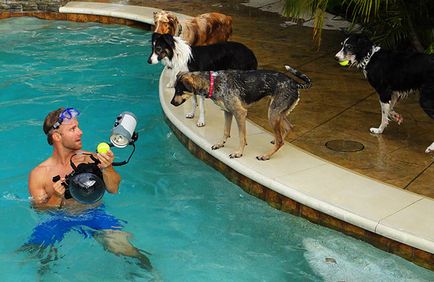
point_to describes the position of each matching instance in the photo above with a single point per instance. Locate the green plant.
(390, 22)
(296, 9)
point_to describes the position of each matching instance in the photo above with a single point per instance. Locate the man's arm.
(40, 197)
(111, 177)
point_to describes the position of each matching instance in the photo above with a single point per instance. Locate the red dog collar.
(211, 84)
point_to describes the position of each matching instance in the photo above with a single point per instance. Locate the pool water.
(193, 222)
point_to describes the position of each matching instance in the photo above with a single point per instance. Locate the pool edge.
(281, 202)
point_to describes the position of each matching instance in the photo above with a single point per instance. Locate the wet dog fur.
(234, 91)
(392, 74)
(205, 29)
(174, 53)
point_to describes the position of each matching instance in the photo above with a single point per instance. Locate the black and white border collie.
(178, 56)
(392, 74)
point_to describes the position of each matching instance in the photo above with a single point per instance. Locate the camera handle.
(57, 178)
(67, 194)
(124, 162)
(133, 140)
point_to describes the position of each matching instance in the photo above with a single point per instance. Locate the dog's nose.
(149, 61)
(177, 101)
(336, 58)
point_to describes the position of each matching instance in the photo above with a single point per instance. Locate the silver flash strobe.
(123, 129)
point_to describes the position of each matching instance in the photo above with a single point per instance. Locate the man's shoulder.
(42, 169)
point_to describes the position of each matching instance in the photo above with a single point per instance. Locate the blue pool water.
(196, 225)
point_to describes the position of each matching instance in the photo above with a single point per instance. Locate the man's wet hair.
(49, 121)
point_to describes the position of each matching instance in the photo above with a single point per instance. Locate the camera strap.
(74, 167)
(87, 167)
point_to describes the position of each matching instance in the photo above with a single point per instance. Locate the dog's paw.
(376, 130)
(200, 121)
(263, 158)
(235, 155)
(189, 115)
(430, 148)
(217, 146)
(397, 117)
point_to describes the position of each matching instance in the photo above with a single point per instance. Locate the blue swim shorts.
(61, 222)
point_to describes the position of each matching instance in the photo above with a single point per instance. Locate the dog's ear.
(180, 74)
(155, 36)
(156, 13)
(186, 80)
(173, 23)
(363, 41)
(172, 18)
(168, 38)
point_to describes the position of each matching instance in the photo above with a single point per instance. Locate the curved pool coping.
(310, 187)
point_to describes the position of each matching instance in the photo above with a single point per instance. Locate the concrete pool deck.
(381, 209)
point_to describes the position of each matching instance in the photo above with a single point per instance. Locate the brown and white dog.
(204, 29)
(235, 90)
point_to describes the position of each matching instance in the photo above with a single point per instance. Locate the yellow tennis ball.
(102, 147)
(344, 63)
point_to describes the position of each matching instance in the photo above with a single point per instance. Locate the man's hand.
(59, 188)
(106, 159)
(110, 176)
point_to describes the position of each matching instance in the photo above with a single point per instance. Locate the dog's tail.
(307, 82)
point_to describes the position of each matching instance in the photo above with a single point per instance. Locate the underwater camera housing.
(85, 183)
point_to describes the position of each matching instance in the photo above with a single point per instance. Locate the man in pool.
(48, 193)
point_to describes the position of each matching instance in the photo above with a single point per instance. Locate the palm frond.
(296, 8)
(390, 21)
(319, 21)
(365, 9)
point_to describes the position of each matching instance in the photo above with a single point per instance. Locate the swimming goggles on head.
(68, 114)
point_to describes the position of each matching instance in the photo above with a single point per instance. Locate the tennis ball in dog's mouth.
(102, 148)
(344, 63)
